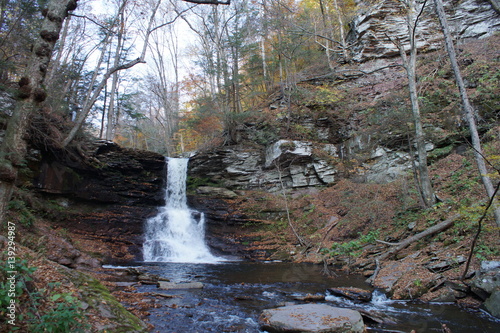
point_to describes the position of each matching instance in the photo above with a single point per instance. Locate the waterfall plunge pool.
(235, 293)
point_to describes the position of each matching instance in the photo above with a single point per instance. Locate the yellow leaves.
(325, 95)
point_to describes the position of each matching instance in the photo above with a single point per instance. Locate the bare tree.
(114, 81)
(468, 110)
(82, 116)
(409, 63)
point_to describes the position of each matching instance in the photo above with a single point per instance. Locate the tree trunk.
(328, 29)
(410, 65)
(411, 240)
(342, 32)
(468, 110)
(31, 96)
(114, 86)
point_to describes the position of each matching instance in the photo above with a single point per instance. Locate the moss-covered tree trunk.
(30, 97)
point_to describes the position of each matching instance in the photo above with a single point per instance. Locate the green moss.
(100, 299)
(439, 153)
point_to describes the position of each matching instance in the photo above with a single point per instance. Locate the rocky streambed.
(247, 296)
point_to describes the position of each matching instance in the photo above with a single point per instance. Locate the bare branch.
(209, 2)
(179, 14)
(92, 20)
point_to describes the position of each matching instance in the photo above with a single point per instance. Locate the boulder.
(487, 285)
(308, 318)
(492, 304)
(488, 278)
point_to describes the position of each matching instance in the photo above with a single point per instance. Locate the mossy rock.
(99, 299)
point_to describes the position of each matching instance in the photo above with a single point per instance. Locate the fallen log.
(427, 232)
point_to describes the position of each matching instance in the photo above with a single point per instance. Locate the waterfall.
(176, 233)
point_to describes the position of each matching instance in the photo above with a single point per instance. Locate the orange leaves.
(197, 130)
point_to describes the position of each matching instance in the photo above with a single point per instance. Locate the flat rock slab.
(173, 285)
(390, 273)
(352, 293)
(309, 318)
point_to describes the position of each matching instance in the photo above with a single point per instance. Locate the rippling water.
(235, 293)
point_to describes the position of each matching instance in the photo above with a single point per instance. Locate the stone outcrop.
(108, 174)
(104, 197)
(226, 226)
(287, 163)
(369, 31)
(310, 318)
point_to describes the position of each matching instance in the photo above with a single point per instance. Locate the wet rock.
(121, 284)
(148, 278)
(492, 304)
(244, 298)
(352, 293)
(110, 191)
(309, 298)
(309, 318)
(447, 294)
(172, 285)
(390, 273)
(377, 317)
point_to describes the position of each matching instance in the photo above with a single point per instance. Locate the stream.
(235, 293)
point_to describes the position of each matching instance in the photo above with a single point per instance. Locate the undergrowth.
(36, 310)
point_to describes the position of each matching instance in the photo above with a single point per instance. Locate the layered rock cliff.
(105, 193)
(371, 29)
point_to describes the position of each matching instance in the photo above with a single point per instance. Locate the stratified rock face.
(286, 163)
(371, 29)
(110, 174)
(108, 195)
(309, 318)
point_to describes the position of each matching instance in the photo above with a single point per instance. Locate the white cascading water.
(177, 233)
